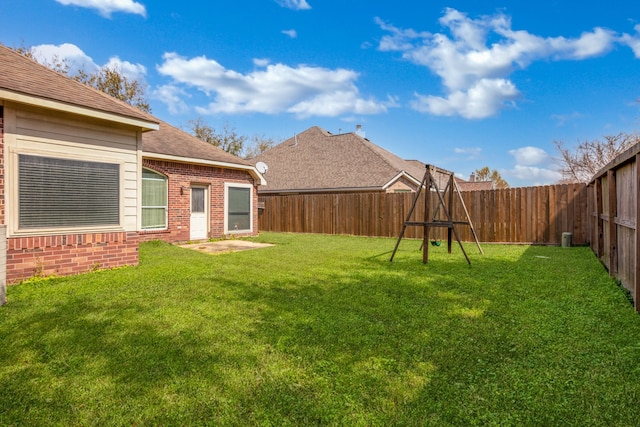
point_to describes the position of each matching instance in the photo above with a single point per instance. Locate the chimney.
(359, 131)
(472, 178)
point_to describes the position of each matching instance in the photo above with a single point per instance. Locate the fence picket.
(514, 215)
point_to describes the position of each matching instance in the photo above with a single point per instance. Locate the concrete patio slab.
(223, 246)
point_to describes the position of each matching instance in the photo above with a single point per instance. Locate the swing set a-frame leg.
(427, 183)
(413, 206)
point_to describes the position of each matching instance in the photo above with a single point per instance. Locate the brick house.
(317, 161)
(82, 179)
(69, 172)
(192, 190)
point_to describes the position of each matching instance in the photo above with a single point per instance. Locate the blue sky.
(458, 84)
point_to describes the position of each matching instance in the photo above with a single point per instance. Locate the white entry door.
(199, 218)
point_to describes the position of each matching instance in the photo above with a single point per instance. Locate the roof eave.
(398, 176)
(322, 190)
(257, 176)
(145, 125)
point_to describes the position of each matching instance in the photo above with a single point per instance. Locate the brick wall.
(181, 177)
(69, 254)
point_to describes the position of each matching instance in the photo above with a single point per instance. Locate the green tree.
(60, 65)
(486, 174)
(112, 82)
(259, 144)
(581, 163)
(108, 80)
(229, 139)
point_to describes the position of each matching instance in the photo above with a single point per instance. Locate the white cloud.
(71, 54)
(533, 165)
(529, 155)
(470, 152)
(399, 39)
(128, 69)
(633, 41)
(535, 175)
(78, 60)
(562, 119)
(294, 4)
(484, 99)
(291, 33)
(261, 62)
(107, 7)
(272, 89)
(589, 45)
(172, 96)
(475, 57)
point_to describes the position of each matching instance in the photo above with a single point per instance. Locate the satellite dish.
(262, 167)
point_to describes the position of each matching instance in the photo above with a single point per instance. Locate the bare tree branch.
(581, 163)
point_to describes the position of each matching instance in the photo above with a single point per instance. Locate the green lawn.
(324, 330)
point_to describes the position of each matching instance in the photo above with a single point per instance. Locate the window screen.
(154, 200)
(239, 209)
(67, 193)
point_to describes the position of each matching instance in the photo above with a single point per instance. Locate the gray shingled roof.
(172, 141)
(475, 185)
(24, 76)
(316, 160)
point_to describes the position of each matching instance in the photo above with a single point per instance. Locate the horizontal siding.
(38, 134)
(35, 126)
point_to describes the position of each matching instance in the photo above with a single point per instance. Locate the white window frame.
(166, 207)
(13, 195)
(228, 185)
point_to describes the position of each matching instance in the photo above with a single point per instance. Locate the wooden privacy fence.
(613, 205)
(514, 215)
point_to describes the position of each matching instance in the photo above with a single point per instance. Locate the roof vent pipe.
(359, 131)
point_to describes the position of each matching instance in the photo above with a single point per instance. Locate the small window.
(56, 193)
(154, 200)
(238, 208)
(197, 200)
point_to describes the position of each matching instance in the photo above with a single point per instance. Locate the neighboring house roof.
(316, 160)
(475, 185)
(25, 81)
(172, 144)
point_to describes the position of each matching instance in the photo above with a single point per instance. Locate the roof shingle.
(316, 160)
(172, 141)
(22, 75)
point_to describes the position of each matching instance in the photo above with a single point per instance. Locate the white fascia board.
(75, 109)
(398, 176)
(251, 169)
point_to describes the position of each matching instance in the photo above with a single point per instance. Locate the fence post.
(613, 228)
(636, 270)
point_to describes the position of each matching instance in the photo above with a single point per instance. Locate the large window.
(238, 208)
(154, 200)
(66, 193)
